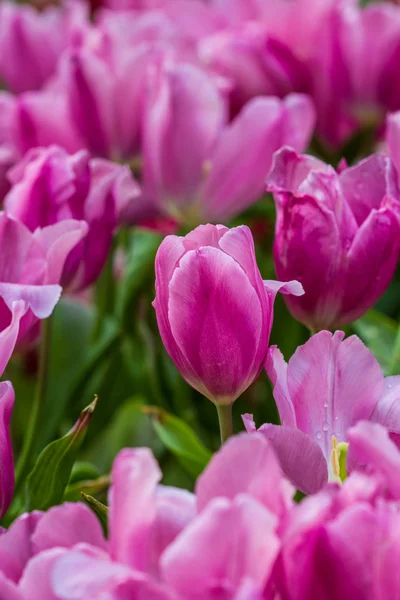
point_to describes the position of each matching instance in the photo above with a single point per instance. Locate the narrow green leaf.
(99, 486)
(180, 439)
(99, 509)
(46, 483)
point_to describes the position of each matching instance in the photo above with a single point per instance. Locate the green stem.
(225, 421)
(394, 364)
(26, 457)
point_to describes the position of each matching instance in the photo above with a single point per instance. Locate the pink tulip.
(198, 167)
(255, 63)
(338, 234)
(104, 102)
(30, 270)
(31, 42)
(163, 548)
(50, 186)
(214, 312)
(393, 140)
(8, 149)
(6, 453)
(335, 545)
(327, 386)
(35, 541)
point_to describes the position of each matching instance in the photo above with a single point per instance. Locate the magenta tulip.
(50, 186)
(164, 545)
(393, 139)
(197, 166)
(254, 63)
(31, 42)
(31, 266)
(338, 234)
(327, 386)
(8, 151)
(6, 453)
(214, 312)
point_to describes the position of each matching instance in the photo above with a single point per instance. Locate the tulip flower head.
(198, 166)
(327, 386)
(51, 186)
(213, 309)
(337, 233)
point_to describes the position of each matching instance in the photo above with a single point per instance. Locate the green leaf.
(126, 428)
(179, 438)
(99, 509)
(138, 276)
(379, 333)
(83, 471)
(46, 483)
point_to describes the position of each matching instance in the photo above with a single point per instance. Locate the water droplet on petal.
(325, 427)
(319, 435)
(326, 405)
(390, 386)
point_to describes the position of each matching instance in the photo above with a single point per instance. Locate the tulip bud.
(338, 234)
(213, 309)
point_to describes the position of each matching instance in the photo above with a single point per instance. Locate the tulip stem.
(225, 421)
(26, 457)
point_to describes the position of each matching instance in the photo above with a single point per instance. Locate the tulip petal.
(15, 547)
(242, 159)
(175, 509)
(35, 583)
(58, 241)
(276, 369)
(67, 525)
(371, 446)
(227, 543)
(167, 259)
(6, 453)
(322, 376)
(89, 84)
(133, 506)
(9, 335)
(257, 473)
(381, 231)
(8, 590)
(299, 122)
(40, 299)
(387, 411)
(77, 574)
(300, 457)
(181, 126)
(216, 319)
(368, 183)
(393, 138)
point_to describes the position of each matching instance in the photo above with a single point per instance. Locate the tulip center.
(338, 460)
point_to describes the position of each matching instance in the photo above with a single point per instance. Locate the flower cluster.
(239, 536)
(139, 135)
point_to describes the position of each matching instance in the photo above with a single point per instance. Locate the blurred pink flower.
(31, 266)
(164, 543)
(31, 42)
(199, 167)
(51, 186)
